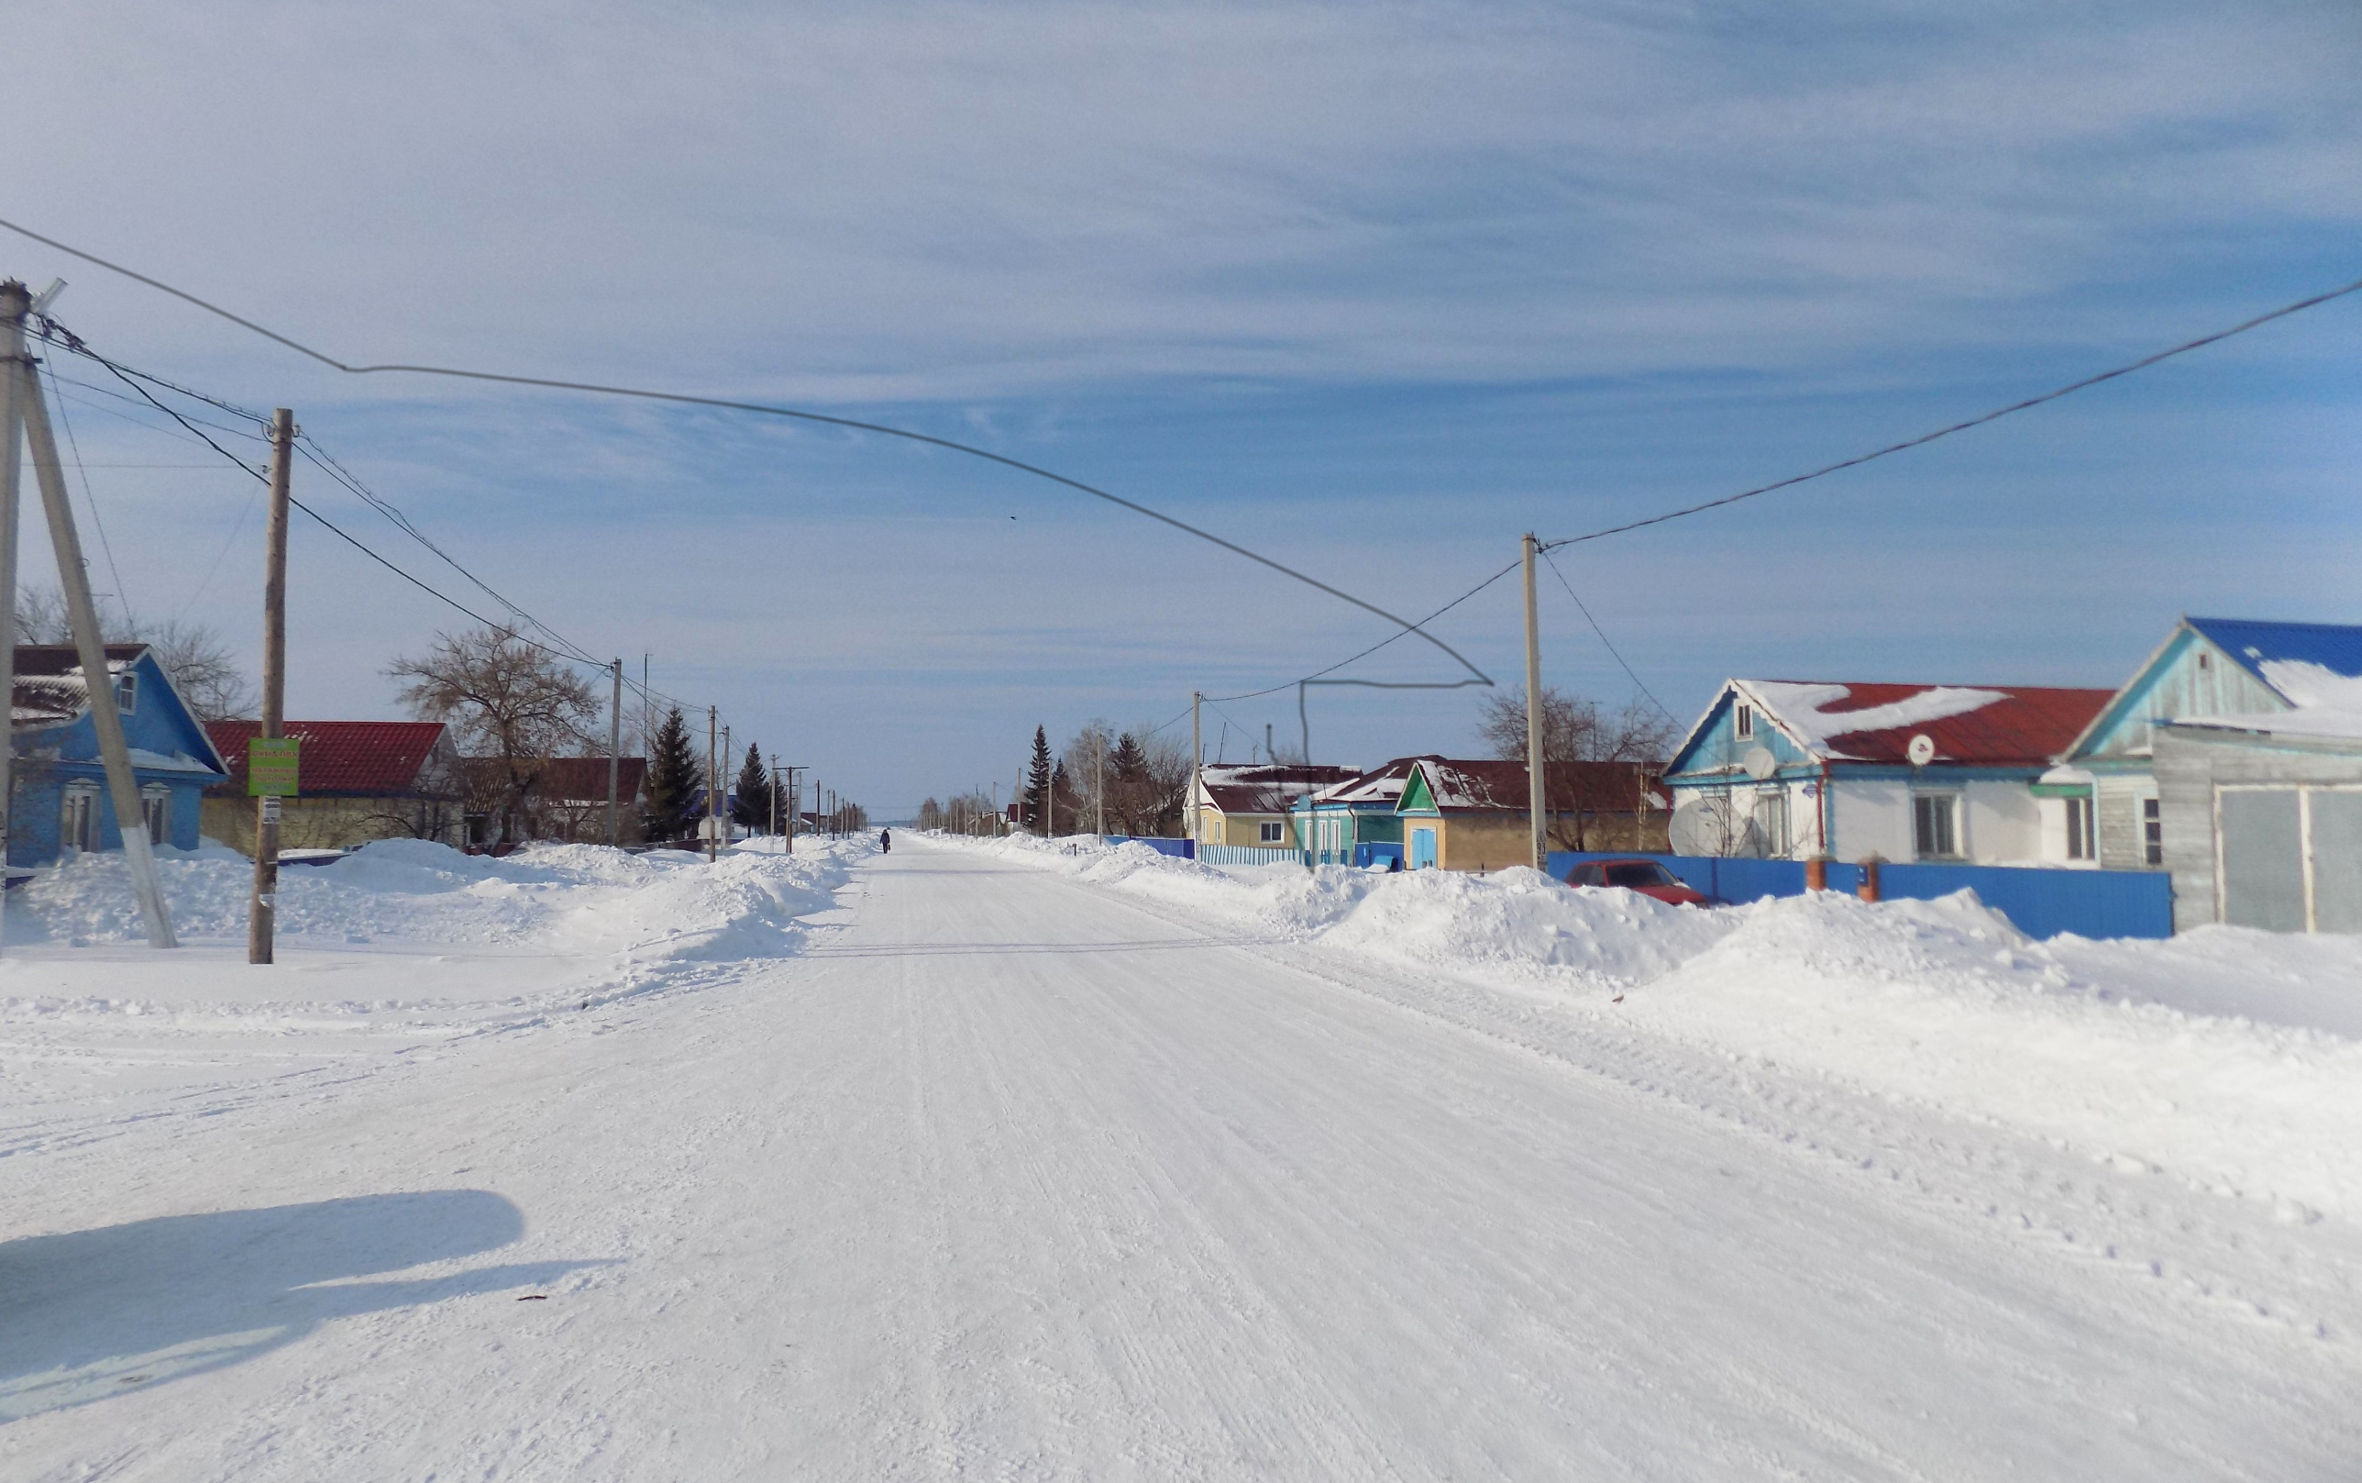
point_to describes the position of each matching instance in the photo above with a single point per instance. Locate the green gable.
(1415, 797)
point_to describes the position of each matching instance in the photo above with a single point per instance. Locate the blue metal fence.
(1179, 848)
(1248, 854)
(2037, 901)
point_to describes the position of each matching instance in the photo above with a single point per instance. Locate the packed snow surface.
(1074, 1160)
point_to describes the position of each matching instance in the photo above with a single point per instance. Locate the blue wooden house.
(61, 802)
(2233, 759)
(1787, 769)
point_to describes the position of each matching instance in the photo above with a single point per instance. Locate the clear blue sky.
(1374, 288)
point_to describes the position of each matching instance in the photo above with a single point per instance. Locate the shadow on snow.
(89, 1314)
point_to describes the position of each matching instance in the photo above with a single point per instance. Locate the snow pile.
(566, 898)
(2231, 1058)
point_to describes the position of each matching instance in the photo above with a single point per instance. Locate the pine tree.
(673, 779)
(1129, 787)
(751, 808)
(1037, 784)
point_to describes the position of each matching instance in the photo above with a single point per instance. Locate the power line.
(1605, 641)
(74, 447)
(765, 409)
(1995, 415)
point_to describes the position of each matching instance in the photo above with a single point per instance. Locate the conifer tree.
(1037, 784)
(673, 779)
(1129, 787)
(751, 807)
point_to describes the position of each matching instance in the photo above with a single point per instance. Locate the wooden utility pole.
(1197, 760)
(98, 680)
(1099, 781)
(1535, 805)
(713, 790)
(614, 750)
(262, 915)
(15, 303)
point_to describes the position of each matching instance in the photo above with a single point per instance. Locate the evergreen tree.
(751, 808)
(1129, 787)
(672, 781)
(1061, 797)
(1037, 784)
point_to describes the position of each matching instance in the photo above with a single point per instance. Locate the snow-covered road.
(1011, 1177)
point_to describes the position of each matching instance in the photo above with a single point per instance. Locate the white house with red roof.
(1788, 769)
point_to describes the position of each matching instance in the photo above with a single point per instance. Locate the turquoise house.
(1333, 821)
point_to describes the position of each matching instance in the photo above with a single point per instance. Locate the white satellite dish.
(1695, 828)
(1921, 750)
(1760, 763)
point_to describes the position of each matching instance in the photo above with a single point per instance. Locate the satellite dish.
(1695, 829)
(1921, 750)
(1760, 763)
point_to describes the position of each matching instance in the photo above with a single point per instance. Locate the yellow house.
(1250, 805)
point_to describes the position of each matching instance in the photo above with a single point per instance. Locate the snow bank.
(566, 898)
(2230, 1058)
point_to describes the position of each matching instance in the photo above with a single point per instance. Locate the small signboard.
(270, 767)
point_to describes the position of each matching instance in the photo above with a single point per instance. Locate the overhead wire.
(1921, 441)
(572, 653)
(97, 521)
(1606, 642)
(764, 409)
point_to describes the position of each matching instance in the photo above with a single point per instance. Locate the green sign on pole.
(270, 767)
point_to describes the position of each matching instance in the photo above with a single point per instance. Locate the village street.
(1003, 1176)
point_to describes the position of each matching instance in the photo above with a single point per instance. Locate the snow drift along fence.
(2038, 902)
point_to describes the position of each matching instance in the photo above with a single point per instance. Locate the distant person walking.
(885, 841)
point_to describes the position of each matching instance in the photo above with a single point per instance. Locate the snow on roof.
(1266, 788)
(2331, 648)
(2017, 725)
(1383, 784)
(2323, 703)
(49, 690)
(1496, 785)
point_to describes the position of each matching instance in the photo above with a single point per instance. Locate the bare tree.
(202, 669)
(1575, 730)
(510, 705)
(193, 655)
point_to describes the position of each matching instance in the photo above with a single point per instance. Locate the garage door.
(2337, 860)
(2263, 858)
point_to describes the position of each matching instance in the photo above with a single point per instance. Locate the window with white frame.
(1935, 826)
(2152, 833)
(78, 817)
(127, 691)
(1272, 831)
(1743, 722)
(155, 806)
(2081, 842)
(1771, 824)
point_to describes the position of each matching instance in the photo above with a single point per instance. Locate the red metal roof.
(1492, 785)
(584, 779)
(355, 759)
(2023, 726)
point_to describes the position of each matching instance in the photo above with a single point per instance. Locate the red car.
(1648, 877)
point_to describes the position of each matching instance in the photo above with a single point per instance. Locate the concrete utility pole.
(263, 912)
(1197, 758)
(614, 749)
(1099, 781)
(713, 791)
(726, 789)
(106, 718)
(15, 303)
(1533, 715)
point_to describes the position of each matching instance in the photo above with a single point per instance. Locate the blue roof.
(2336, 647)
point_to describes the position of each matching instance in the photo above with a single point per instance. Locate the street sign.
(270, 767)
